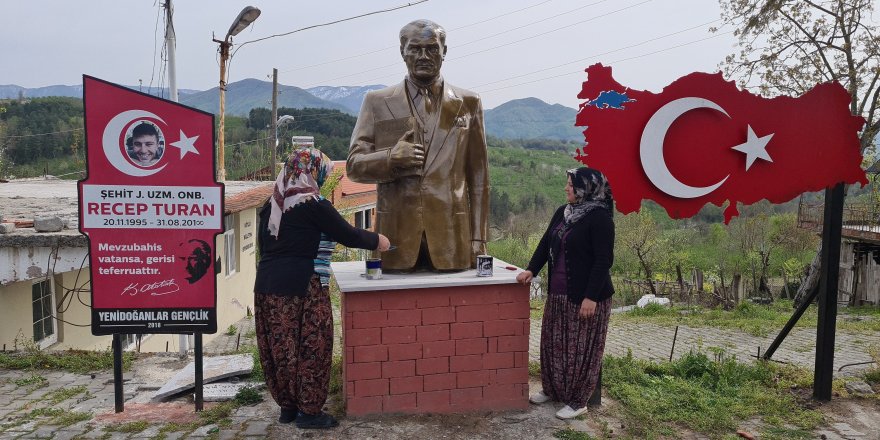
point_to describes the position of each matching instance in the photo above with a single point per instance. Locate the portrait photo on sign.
(144, 143)
(196, 256)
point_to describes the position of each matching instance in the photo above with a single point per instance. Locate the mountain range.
(527, 118)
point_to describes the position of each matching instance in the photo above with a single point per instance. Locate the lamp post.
(286, 119)
(244, 19)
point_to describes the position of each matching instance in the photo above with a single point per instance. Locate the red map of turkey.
(702, 140)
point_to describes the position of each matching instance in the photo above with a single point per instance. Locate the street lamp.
(244, 19)
(285, 119)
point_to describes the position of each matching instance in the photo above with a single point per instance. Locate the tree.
(788, 46)
(638, 234)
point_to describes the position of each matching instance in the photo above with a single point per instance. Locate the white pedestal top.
(349, 277)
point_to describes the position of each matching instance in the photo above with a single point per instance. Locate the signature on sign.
(158, 288)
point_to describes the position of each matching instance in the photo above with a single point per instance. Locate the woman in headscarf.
(293, 317)
(579, 246)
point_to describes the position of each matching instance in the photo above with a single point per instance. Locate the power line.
(155, 39)
(554, 30)
(491, 48)
(502, 15)
(329, 23)
(611, 63)
(43, 134)
(641, 43)
(572, 62)
(394, 45)
(539, 21)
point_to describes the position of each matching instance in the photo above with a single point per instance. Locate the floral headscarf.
(591, 191)
(300, 180)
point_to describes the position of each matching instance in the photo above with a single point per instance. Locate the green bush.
(704, 395)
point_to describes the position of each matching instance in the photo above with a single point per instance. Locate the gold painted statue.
(423, 143)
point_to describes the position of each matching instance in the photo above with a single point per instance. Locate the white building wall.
(73, 297)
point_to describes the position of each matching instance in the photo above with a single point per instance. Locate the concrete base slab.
(214, 369)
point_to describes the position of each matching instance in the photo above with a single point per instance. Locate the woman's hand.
(384, 244)
(588, 308)
(525, 277)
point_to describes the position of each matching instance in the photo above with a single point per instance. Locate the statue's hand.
(406, 154)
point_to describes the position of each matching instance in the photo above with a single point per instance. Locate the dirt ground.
(847, 418)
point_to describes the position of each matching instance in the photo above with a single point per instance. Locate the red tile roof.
(251, 198)
(348, 188)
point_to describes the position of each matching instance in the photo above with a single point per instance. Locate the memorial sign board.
(151, 209)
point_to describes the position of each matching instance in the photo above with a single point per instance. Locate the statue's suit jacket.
(449, 202)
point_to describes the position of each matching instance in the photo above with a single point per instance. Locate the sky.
(501, 49)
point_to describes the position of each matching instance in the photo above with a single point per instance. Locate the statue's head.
(423, 47)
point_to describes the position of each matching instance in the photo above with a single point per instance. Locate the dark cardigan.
(589, 254)
(287, 263)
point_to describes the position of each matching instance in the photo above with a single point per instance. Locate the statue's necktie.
(427, 101)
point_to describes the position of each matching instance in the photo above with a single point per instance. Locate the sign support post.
(118, 392)
(200, 378)
(827, 322)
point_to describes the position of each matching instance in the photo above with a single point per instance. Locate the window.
(364, 219)
(43, 305)
(131, 341)
(230, 245)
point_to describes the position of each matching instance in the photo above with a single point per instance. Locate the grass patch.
(536, 309)
(755, 319)
(337, 407)
(130, 427)
(707, 396)
(67, 418)
(218, 414)
(214, 415)
(74, 361)
(232, 330)
(570, 434)
(62, 394)
(535, 369)
(48, 416)
(248, 396)
(257, 373)
(33, 381)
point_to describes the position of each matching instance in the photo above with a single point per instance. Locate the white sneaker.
(567, 413)
(539, 397)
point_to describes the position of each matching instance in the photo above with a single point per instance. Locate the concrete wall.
(15, 314)
(235, 293)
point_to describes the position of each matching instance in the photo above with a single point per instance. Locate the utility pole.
(171, 45)
(274, 122)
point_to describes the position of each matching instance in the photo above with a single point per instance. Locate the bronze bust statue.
(422, 142)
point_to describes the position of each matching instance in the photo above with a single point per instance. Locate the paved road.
(38, 404)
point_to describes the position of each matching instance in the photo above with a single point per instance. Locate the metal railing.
(860, 220)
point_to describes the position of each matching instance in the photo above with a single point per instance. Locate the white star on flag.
(755, 147)
(186, 144)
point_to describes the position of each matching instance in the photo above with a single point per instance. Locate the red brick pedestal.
(433, 343)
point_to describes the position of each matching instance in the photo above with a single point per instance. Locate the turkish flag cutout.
(701, 140)
(151, 209)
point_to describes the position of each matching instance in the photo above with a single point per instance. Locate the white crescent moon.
(111, 142)
(651, 148)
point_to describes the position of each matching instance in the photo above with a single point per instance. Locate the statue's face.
(423, 54)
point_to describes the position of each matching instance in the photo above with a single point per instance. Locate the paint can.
(484, 265)
(374, 269)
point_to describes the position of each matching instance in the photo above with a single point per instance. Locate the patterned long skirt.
(295, 339)
(571, 350)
